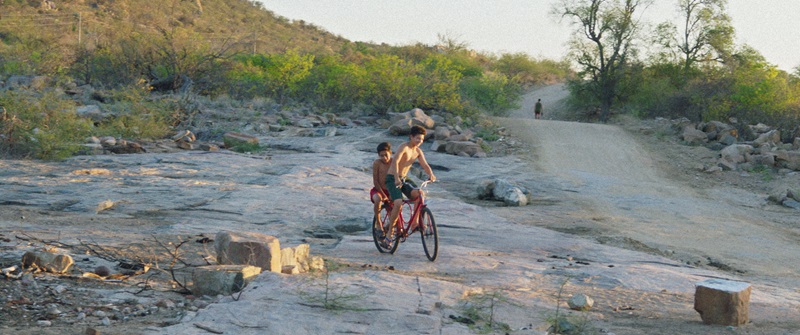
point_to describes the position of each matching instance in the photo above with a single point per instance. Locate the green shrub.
(43, 127)
(137, 117)
(243, 146)
(492, 92)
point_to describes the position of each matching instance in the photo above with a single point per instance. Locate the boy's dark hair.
(385, 146)
(418, 130)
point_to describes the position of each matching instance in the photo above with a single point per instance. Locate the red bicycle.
(414, 216)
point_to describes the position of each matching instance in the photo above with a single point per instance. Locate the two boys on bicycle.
(396, 182)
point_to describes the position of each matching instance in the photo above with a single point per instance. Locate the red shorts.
(374, 191)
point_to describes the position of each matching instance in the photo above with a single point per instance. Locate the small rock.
(105, 321)
(99, 314)
(580, 302)
(102, 271)
(44, 323)
(166, 303)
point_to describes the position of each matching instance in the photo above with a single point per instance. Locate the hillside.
(241, 25)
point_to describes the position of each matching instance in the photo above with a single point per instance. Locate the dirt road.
(627, 195)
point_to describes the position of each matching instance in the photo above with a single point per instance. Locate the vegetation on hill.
(133, 50)
(695, 71)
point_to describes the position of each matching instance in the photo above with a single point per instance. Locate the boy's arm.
(375, 174)
(396, 165)
(425, 166)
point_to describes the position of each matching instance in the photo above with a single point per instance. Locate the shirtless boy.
(378, 194)
(406, 154)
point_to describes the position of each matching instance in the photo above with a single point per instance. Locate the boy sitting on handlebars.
(378, 194)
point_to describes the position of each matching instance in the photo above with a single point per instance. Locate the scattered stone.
(263, 251)
(231, 138)
(580, 302)
(185, 145)
(44, 323)
(102, 271)
(166, 303)
(212, 280)
(50, 262)
(722, 302)
(103, 205)
(184, 136)
(209, 147)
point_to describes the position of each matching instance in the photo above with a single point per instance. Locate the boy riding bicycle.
(396, 181)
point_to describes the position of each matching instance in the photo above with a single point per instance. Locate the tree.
(602, 43)
(706, 34)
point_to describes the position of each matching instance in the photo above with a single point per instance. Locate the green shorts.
(397, 193)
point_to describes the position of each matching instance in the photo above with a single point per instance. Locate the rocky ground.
(622, 213)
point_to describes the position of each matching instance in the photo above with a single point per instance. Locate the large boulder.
(694, 136)
(47, 261)
(441, 133)
(256, 249)
(722, 302)
(771, 137)
(467, 147)
(465, 135)
(788, 159)
(402, 122)
(736, 153)
(212, 280)
(485, 189)
(508, 193)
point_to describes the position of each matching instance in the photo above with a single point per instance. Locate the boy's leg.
(376, 200)
(398, 204)
(396, 196)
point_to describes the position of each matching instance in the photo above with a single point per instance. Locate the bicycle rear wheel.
(377, 223)
(429, 233)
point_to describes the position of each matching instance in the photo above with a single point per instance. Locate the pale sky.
(508, 26)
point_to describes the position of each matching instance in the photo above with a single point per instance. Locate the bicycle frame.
(413, 215)
(404, 227)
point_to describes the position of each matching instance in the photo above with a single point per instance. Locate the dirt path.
(627, 196)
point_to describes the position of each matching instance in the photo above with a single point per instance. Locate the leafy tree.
(391, 83)
(286, 71)
(706, 34)
(334, 83)
(602, 44)
(439, 84)
(526, 71)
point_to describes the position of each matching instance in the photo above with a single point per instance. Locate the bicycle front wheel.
(429, 233)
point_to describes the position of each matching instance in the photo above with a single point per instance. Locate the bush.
(43, 127)
(136, 117)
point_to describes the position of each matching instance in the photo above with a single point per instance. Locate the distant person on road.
(537, 109)
(380, 167)
(396, 181)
